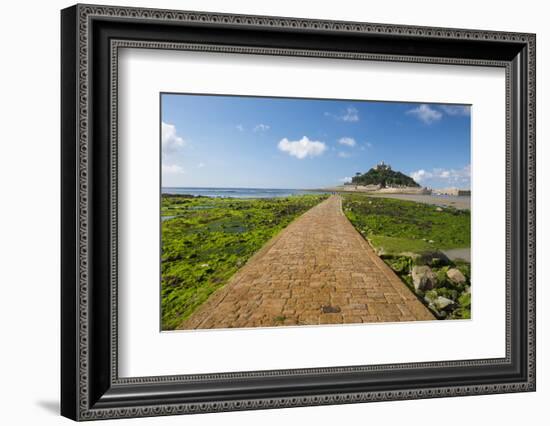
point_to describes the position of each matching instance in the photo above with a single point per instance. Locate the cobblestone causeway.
(318, 270)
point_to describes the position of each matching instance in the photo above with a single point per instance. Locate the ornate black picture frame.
(91, 37)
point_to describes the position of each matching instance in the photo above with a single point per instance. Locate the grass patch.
(394, 245)
(397, 226)
(206, 240)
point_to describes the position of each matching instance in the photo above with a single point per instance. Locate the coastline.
(237, 192)
(461, 202)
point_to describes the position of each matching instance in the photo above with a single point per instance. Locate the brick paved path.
(318, 270)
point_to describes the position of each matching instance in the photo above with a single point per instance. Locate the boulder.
(456, 276)
(430, 297)
(413, 256)
(423, 278)
(432, 257)
(438, 209)
(442, 303)
(379, 250)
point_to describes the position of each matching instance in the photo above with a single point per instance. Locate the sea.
(238, 192)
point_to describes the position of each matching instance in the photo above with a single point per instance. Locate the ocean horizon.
(221, 192)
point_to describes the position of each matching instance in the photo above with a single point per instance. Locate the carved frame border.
(85, 13)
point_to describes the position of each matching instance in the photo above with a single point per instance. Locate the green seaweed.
(206, 240)
(397, 226)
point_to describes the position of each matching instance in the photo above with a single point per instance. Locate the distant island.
(381, 179)
(383, 176)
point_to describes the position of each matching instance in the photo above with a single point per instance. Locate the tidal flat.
(206, 240)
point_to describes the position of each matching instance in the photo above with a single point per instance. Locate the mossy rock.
(400, 264)
(465, 300)
(432, 258)
(441, 276)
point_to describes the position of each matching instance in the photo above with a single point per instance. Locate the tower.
(382, 166)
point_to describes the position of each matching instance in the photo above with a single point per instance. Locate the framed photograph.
(263, 212)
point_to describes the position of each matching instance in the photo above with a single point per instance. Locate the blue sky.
(230, 141)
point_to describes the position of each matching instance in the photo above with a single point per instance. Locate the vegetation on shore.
(409, 237)
(384, 176)
(396, 226)
(206, 240)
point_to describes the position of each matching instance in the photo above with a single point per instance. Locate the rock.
(434, 257)
(442, 302)
(410, 254)
(423, 278)
(438, 209)
(379, 251)
(430, 297)
(456, 276)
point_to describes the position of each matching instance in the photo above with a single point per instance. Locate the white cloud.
(347, 141)
(171, 144)
(425, 113)
(443, 177)
(455, 109)
(453, 175)
(261, 127)
(171, 141)
(343, 154)
(420, 175)
(350, 114)
(302, 148)
(172, 169)
(239, 127)
(345, 179)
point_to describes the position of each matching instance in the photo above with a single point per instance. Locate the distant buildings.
(381, 178)
(382, 166)
(452, 191)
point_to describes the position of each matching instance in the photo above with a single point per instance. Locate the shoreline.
(236, 193)
(461, 202)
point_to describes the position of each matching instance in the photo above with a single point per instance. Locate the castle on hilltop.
(381, 178)
(382, 166)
